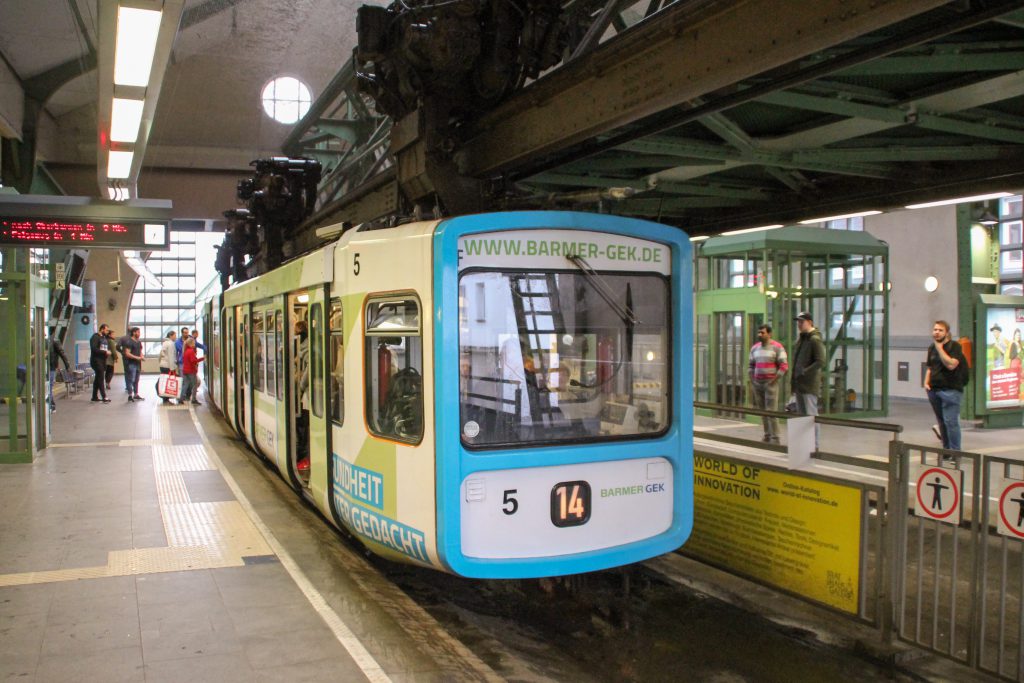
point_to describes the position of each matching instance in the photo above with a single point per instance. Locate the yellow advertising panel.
(784, 529)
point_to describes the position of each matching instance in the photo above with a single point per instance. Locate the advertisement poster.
(1003, 355)
(799, 533)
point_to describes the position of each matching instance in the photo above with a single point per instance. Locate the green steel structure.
(24, 302)
(770, 276)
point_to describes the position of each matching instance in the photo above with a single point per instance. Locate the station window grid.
(1011, 245)
(156, 310)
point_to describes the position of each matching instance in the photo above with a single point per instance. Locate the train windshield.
(552, 356)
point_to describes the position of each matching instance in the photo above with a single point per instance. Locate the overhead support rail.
(694, 113)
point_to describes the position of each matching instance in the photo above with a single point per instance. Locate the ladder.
(538, 316)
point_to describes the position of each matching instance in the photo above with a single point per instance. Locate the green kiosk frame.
(768, 276)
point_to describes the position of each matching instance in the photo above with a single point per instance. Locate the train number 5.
(510, 505)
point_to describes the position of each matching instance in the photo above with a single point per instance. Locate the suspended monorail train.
(501, 395)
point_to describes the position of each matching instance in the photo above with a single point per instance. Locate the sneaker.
(775, 439)
(105, 400)
(94, 400)
(197, 403)
(139, 398)
(937, 432)
(131, 400)
(766, 438)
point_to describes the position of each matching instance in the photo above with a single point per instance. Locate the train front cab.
(564, 413)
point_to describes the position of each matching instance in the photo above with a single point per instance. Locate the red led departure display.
(64, 232)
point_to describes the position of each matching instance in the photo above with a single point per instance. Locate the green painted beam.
(704, 150)
(942, 63)
(897, 116)
(909, 153)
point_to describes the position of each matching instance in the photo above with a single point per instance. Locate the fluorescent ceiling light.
(746, 230)
(960, 200)
(839, 218)
(137, 30)
(119, 164)
(125, 117)
(699, 238)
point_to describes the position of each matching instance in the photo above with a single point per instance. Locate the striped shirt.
(767, 363)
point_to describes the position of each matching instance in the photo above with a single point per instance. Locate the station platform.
(131, 553)
(147, 544)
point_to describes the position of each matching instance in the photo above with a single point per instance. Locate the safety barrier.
(942, 544)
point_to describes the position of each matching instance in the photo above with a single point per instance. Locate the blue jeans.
(131, 378)
(946, 405)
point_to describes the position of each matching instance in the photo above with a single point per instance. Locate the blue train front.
(500, 396)
(564, 401)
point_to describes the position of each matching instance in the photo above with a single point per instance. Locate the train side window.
(279, 331)
(269, 344)
(316, 359)
(394, 369)
(337, 363)
(258, 345)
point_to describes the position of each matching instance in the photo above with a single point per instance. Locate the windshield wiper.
(625, 313)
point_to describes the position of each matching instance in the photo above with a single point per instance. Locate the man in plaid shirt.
(768, 362)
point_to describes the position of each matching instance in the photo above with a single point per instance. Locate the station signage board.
(47, 232)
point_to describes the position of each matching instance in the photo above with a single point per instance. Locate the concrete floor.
(145, 545)
(128, 556)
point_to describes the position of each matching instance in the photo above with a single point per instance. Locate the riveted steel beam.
(662, 64)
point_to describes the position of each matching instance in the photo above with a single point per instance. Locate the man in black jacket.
(99, 349)
(944, 381)
(805, 370)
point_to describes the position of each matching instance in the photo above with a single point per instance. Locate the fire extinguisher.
(383, 373)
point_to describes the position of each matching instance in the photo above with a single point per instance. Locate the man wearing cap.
(1000, 349)
(808, 360)
(768, 363)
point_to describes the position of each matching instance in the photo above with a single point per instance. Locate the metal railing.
(953, 586)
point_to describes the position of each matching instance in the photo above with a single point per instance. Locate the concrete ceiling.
(209, 114)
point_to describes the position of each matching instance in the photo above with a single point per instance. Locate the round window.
(286, 99)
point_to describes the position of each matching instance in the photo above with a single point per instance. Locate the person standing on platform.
(808, 360)
(133, 363)
(768, 362)
(805, 374)
(168, 358)
(99, 349)
(190, 368)
(944, 381)
(56, 355)
(112, 358)
(179, 347)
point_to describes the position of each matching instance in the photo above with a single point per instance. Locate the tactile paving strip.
(206, 535)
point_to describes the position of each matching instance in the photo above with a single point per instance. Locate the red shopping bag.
(169, 386)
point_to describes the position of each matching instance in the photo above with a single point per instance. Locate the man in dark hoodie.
(805, 371)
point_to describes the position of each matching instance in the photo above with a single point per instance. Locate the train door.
(243, 409)
(281, 444)
(230, 362)
(306, 411)
(216, 358)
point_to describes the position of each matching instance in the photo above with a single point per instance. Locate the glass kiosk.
(839, 276)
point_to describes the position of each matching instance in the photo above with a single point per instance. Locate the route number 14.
(570, 503)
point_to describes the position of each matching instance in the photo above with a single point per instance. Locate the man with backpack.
(944, 381)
